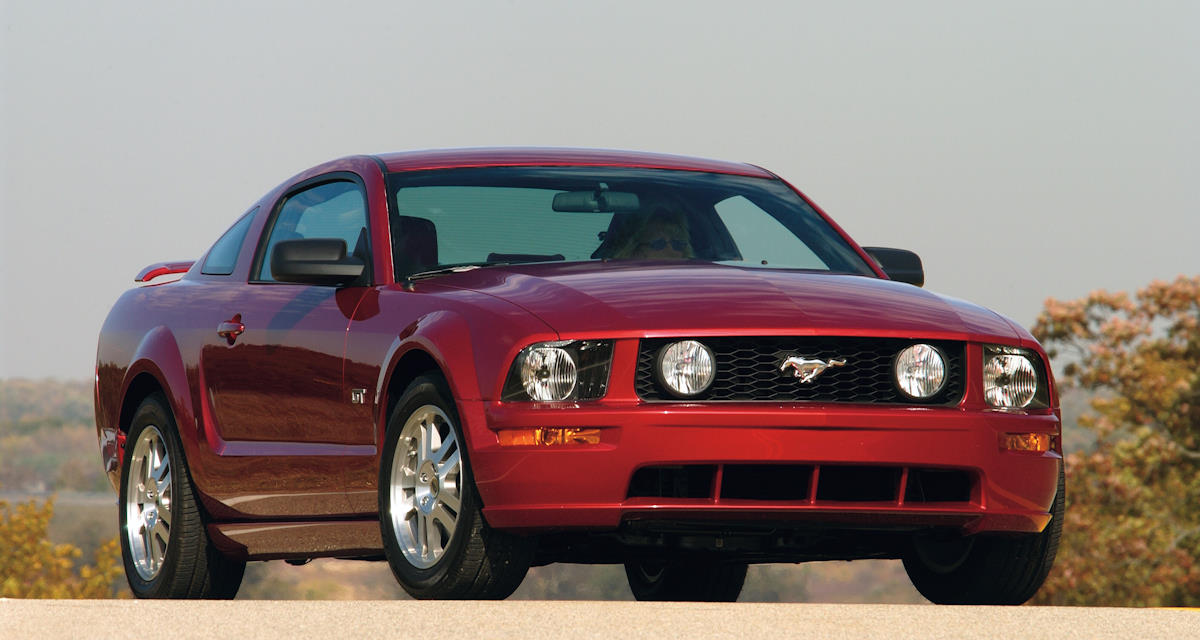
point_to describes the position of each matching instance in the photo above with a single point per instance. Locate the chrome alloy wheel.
(426, 486)
(148, 503)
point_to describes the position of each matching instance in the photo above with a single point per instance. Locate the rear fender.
(158, 356)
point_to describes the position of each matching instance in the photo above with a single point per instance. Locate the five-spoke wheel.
(164, 544)
(426, 486)
(148, 511)
(431, 520)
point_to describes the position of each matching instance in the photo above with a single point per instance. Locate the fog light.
(1032, 442)
(546, 437)
(920, 371)
(686, 368)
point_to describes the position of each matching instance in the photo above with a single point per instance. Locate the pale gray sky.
(1024, 149)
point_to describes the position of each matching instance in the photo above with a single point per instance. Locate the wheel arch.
(156, 367)
(437, 343)
(414, 363)
(142, 386)
(472, 353)
(112, 438)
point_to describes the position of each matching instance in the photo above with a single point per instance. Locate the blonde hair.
(662, 217)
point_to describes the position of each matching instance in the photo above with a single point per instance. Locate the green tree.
(1132, 528)
(32, 567)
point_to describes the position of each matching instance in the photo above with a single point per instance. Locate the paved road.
(532, 620)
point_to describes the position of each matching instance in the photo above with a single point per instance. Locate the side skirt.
(298, 540)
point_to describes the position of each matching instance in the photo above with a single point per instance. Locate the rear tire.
(693, 581)
(986, 569)
(434, 534)
(164, 545)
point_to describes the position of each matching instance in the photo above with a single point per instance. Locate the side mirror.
(315, 261)
(899, 264)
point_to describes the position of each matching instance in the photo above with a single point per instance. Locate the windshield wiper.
(449, 268)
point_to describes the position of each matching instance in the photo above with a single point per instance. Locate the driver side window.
(329, 210)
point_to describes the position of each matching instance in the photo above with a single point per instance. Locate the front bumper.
(587, 487)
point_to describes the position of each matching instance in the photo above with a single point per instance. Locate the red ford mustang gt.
(471, 362)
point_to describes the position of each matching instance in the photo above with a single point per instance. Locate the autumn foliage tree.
(1132, 528)
(32, 567)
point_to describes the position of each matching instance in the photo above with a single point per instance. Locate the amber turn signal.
(547, 437)
(1032, 442)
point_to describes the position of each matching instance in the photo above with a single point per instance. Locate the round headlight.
(686, 368)
(548, 373)
(920, 371)
(1009, 380)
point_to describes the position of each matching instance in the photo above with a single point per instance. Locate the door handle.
(231, 329)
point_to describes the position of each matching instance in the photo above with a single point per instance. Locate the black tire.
(987, 569)
(179, 561)
(693, 581)
(459, 556)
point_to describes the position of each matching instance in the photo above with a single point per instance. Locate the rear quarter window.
(222, 258)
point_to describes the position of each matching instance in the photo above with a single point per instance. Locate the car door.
(272, 368)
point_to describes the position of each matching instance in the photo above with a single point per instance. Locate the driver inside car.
(662, 235)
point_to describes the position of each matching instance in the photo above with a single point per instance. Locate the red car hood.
(656, 298)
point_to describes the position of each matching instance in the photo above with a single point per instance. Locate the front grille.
(813, 484)
(748, 370)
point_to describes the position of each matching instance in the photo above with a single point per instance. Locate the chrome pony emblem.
(808, 370)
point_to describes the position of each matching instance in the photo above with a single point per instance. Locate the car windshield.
(453, 219)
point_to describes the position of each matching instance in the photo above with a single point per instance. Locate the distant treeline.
(48, 437)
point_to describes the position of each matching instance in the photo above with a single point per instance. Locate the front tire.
(986, 569)
(434, 535)
(694, 581)
(164, 545)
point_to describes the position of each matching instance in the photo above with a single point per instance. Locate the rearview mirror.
(320, 261)
(899, 264)
(599, 201)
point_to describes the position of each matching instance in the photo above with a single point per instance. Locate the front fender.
(473, 352)
(457, 346)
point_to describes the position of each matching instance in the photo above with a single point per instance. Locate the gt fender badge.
(808, 370)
